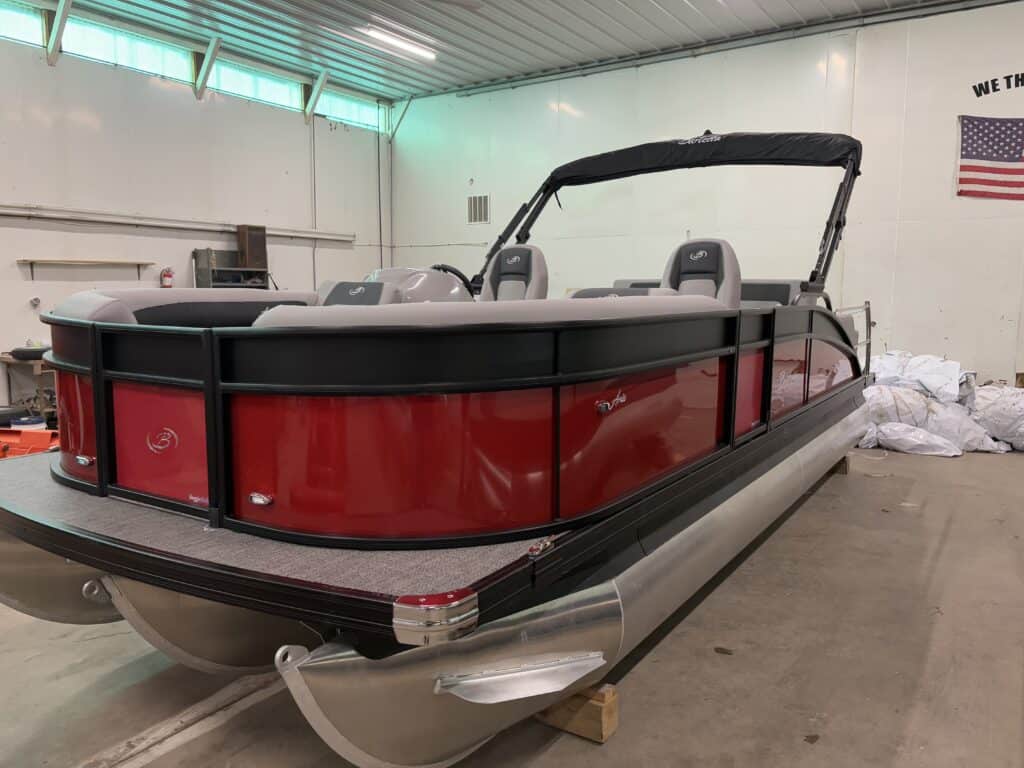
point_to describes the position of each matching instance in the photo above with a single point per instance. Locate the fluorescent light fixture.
(565, 108)
(400, 43)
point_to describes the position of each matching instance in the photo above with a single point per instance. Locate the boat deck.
(30, 499)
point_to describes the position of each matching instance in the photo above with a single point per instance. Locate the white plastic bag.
(870, 437)
(953, 422)
(1000, 412)
(888, 367)
(929, 374)
(888, 403)
(936, 377)
(909, 439)
(968, 385)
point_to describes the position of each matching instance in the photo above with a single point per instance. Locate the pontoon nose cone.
(433, 705)
(201, 634)
(49, 587)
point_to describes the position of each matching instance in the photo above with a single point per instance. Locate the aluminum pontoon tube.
(408, 710)
(50, 587)
(210, 637)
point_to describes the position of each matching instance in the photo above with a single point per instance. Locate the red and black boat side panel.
(395, 465)
(458, 435)
(749, 391)
(619, 434)
(76, 424)
(160, 441)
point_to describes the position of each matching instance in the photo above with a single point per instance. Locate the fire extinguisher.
(166, 277)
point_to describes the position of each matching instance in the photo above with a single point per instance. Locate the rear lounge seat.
(182, 307)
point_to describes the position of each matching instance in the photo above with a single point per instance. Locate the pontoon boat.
(437, 504)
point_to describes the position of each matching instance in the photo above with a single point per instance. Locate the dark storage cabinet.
(226, 269)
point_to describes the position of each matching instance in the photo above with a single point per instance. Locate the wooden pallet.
(592, 713)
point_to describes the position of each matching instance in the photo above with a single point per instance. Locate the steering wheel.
(457, 273)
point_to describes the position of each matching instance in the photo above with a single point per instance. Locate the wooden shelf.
(85, 263)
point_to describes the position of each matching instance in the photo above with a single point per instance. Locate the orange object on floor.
(21, 442)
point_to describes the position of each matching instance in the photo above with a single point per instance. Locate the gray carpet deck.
(26, 488)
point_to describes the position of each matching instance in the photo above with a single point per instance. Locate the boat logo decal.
(607, 406)
(698, 255)
(707, 138)
(357, 290)
(162, 439)
(515, 258)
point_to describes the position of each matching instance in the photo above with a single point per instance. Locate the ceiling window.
(346, 109)
(115, 46)
(21, 23)
(235, 79)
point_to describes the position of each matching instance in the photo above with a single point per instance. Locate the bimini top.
(820, 149)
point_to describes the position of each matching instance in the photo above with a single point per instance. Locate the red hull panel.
(76, 425)
(830, 367)
(394, 466)
(789, 377)
(749, 391)
(659, 421)
(160, 441)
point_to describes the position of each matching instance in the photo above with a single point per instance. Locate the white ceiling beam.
(206, 67)
(60, 20)
(314, 95)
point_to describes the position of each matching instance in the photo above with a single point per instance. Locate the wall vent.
(479, 209)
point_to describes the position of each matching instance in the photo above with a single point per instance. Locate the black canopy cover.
(818, 149)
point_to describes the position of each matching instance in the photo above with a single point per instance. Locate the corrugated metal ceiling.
(476, 42)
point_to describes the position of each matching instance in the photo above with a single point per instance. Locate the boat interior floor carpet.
(27, 490)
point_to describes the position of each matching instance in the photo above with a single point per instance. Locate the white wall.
(944, 274)
(86, 135)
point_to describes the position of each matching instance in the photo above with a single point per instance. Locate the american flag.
(991, 157)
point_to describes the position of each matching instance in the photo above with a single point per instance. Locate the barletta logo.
(357, 290)
(698, 255)
(513, 259)
(162, 440)
(607, 406)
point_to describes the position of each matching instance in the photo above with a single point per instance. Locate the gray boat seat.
(455, 314)
(705, 268)
(516, 272)
(181, 307)
(601, 293)
(637, 282)
(334, 292)
(769, 292)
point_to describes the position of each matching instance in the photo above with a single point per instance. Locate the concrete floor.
(882, 624)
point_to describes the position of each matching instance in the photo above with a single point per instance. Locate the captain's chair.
(516, 272)
(705, 268)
